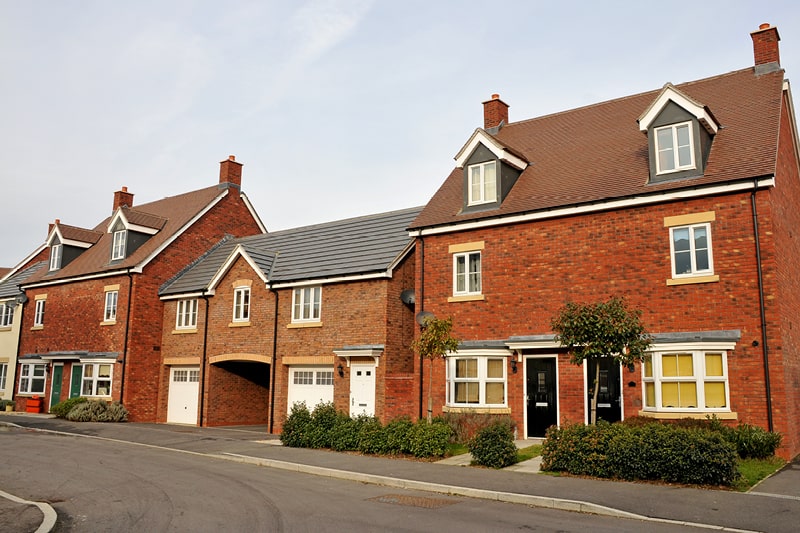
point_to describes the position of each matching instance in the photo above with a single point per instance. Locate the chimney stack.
(765, 48)
(122, 198)
(51, 226)
(230, 173)
(495, 112)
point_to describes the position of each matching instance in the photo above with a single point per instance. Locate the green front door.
(75, 384)
(55, 387)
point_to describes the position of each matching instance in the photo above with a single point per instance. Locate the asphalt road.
(97, 485)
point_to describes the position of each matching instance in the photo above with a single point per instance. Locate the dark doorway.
(609, 400)
(542, 397)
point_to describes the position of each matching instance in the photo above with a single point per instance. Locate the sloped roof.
(342, 248)
(9, 288)
(74, 233)
(135, 215)
(597, 153)
(172, 213)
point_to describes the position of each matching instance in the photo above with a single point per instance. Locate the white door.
(312, 385)
(362, 390)
(184, 388)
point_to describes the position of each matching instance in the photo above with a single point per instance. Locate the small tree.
(604, 329)
(434, 342)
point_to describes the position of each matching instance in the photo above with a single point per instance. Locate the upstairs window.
(675, 148)
(306, 304)
(187, 314)
(38, 314)
(55, 256)
(241, 304)
(483, 183)
(467, 273)
(110, 313)
(691, 250)
(6, 314)
(118, 246)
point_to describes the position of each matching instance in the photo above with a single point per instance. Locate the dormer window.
(55, 256)
(675, 148)
(483, 183)
(118, 246)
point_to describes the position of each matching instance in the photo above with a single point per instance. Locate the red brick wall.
(531, 270)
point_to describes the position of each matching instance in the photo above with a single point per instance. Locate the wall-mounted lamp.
(514, 366)
(340, 368)
(631, 368)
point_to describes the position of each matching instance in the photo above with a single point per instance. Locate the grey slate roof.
(349, 247)
(10, 287)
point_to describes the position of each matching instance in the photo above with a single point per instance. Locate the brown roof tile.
(74, 233)
(597, 153)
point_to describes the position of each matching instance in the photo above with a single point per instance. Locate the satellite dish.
(424, 316)
(21, 299)
(408, 297)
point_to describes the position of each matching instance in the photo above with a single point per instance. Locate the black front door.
(609, 405)
(542, 410)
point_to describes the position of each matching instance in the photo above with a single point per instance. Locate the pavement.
(773, 505)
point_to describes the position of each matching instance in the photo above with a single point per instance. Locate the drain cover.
(413, 501)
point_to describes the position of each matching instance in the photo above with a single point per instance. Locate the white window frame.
(186, 316)
(110, 307)
(307, 304)
(38, 315)
(3, 375)
(482, 184)
(699, 377)
(56, 252)
(29, 373)
(481, 379)
(241, 304)
(675, 148)
(119, 244)
(95, 379)
(692, 250)
(467, 274)
(7, 314)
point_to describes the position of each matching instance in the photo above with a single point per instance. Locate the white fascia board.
(326, 281)
(523, 345)
(400, 257)
(119, 215)
(67, 242)
(141, 229)
(64, 281)
(792, 116)
(481, 137)
(689, 346)
(25, 261)
(237, 252)
(496, 352)
(670, 93)
(253, 212)
(184, 296)
(180, 232)
(594, 208)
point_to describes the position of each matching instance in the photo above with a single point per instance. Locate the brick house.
(315, 311)
(682, 200)
(91, 325)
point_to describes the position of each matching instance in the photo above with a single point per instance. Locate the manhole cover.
(413, 501)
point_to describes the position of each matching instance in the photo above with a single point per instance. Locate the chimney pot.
(495, 112)
(58, 221)
(763, 26)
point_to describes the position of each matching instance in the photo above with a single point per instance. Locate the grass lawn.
(754, 470)
(523, 454)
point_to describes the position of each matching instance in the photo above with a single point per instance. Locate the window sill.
(477, 409)
(294, 325)
(5, 328)
(467, 298)
(108, 322)
(672, 415)
(239, 324)
(34, 328)
(693, 279)
(184, 331)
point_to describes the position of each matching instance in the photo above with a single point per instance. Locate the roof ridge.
(340, 221)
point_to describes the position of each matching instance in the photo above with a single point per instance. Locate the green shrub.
(428, 440)
(642, 452)
(754, 442)
(397, 436)
(344, 434)
(296, 429)
(62, 409)
(493, 446)
(4, 403)
(323, 418)
(97, 411)
(371, 436)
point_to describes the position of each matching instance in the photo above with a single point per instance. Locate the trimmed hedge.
(694, 456)
(98, 411)
(327, 428)
(494, 446)
(465, 426)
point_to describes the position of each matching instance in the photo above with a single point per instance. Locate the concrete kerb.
(50, 516)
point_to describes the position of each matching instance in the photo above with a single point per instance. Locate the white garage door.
(313, 385)
(184, 387)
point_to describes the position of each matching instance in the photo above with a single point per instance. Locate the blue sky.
(337, 108)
